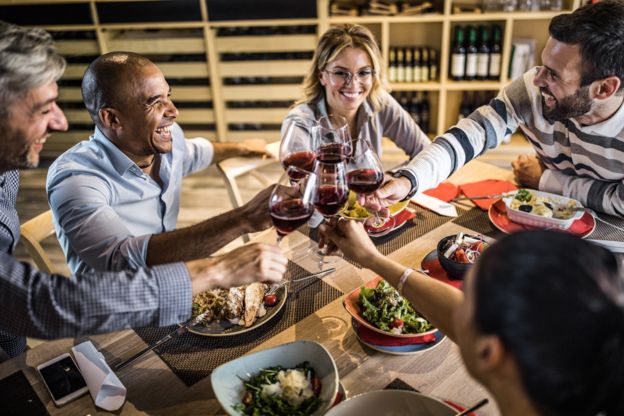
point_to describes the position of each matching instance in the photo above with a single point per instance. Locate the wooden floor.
(204, 194)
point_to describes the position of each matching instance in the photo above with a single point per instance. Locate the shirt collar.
(116, 157)
(609, 127)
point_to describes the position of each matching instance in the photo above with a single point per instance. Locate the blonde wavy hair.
(329, 47)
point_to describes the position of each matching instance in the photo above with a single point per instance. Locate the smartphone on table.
(63, 379)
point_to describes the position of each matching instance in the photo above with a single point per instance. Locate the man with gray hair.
(35, 304)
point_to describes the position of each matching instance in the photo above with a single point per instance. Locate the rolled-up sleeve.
(198, 155)
(86, 222)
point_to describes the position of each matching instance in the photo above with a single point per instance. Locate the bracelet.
(402, 280)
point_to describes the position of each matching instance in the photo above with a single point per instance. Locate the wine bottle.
(400, 66)
(424, 112)
(458, 55)
(408, 65)
(392, 73)
(466, 105)
(433, 65)
(416, 68)
(404, 101)
(495, 54)
(471, 54)
(424, 65)
(414, 109)
(483, 54)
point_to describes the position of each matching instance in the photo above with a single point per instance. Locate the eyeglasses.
(338, 76)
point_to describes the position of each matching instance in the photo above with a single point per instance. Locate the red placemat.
(486, 187)
(445, 191)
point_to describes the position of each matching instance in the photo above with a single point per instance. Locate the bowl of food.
(458, 252)
(392, 402)
(542, 209)
(379, 307)
(295, 378)
(354, 211)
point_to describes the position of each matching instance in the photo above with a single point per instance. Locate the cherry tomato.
(247, 399)
(478, 246)
(397, 323)
(460, 256)
(316, 385)
(270, 300)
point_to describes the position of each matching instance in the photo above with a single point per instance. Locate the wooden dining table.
(153, 388)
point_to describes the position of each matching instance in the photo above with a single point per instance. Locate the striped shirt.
(582, 162)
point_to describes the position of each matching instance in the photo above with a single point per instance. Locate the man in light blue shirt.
(116, 197)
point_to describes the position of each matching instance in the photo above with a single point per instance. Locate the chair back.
(33, 232)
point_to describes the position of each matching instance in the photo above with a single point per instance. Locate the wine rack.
(236, 67)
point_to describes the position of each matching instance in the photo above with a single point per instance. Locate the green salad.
(279, 391)
(387, 310)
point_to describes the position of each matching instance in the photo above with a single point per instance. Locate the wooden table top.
(154, 389)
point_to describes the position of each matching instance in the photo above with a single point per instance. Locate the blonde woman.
(346, 78)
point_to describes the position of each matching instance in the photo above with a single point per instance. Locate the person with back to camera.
(540, 322)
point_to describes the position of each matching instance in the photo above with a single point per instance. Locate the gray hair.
(28, 59)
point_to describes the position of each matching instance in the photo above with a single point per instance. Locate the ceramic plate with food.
(236, 310)
(379, 307)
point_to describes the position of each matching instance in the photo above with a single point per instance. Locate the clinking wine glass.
(365, 174)
(292, 201)
(331, 193)
(298, 145)
(333, 139)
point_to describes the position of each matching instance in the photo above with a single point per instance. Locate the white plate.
(392, 403)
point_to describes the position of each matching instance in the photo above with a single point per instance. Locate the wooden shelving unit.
(227, 81)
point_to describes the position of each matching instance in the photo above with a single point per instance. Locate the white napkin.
(436, 205)
(105, 388)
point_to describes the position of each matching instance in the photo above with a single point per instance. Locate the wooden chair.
(33, 232)
(234, 167)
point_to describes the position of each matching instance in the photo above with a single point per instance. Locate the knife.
(436, 205)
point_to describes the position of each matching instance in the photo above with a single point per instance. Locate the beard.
(572, 106)
(15, 152)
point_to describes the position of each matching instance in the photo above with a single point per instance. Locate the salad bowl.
(352, 305)
(228, 379)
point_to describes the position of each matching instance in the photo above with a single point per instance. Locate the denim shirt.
(106, 208)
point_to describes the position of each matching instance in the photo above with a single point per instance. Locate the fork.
(283, 283)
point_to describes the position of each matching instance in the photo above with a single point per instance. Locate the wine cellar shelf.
(236, 66)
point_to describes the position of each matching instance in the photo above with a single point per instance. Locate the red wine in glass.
(333, 153)
(330, 199)
(303, 160)
(288, 215)
(364, 181)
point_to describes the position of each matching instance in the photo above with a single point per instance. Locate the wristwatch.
(412, 179)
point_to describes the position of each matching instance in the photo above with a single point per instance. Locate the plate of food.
(354, 211)
(362, 334)
(498, 215)
(379, 307)
(296, 378)
(236, 310)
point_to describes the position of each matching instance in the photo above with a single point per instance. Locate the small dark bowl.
(454, 269)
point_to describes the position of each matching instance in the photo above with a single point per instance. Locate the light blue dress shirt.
(106, 208)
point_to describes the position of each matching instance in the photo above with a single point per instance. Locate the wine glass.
(331, 193)
(333, 139)
(291, 203)
(365, 173)
(298, 145)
